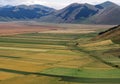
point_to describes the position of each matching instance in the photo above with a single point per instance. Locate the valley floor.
(53, 57)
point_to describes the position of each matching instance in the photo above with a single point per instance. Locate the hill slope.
(112, 33)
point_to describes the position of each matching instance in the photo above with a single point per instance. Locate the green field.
(57, 58)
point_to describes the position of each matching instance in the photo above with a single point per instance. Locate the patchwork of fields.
(56, 58)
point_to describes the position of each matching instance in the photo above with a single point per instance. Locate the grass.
(85, 73)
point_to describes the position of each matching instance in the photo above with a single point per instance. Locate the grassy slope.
(112, 33)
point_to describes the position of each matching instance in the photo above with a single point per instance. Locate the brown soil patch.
(16, 28)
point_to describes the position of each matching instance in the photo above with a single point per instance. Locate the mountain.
(72, 13)
(105, 13)
(107, 4)
(110, 14)
(24, 12)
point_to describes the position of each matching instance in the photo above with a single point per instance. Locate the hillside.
(112, 33)
(113, 36)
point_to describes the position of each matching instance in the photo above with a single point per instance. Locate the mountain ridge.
(24, 11)
(104, 13)
(87, 14)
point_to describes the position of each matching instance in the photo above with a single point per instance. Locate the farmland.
(43, 54)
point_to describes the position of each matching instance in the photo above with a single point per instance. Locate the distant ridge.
(104, 13)
(73, 13)
(22, 12)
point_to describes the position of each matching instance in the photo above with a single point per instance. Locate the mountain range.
(23, 12)
(104, 13)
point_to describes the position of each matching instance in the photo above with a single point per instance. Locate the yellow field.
(6, 75)
(101, 43)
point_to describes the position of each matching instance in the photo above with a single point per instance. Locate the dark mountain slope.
(72, 13)
(24, 12)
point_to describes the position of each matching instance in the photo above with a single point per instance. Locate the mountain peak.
(107, 4)
(78, 4)
(74, 4)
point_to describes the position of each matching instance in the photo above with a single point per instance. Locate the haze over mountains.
(104, 13)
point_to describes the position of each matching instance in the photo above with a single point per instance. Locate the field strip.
(36, 39)
(41, 45)
(23, 49)
(22, 61)
(43, 37)
(106, 42)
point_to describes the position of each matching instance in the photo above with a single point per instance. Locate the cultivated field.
(40, 54)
